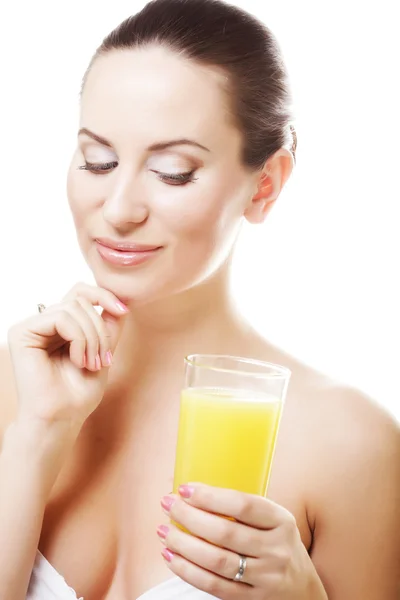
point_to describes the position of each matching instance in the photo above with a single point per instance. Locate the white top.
(47, 584)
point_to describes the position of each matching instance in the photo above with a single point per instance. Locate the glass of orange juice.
(229, 420)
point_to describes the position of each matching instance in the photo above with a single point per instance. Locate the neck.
(198, 320)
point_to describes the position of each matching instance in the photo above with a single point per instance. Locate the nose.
(125, 204)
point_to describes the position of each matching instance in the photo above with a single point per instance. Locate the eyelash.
(176, 178)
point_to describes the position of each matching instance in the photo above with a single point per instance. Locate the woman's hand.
(59, 356)
(277, 564)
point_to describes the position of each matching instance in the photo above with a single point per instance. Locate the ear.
(269, 185)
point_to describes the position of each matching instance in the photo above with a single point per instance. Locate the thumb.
(114, 326)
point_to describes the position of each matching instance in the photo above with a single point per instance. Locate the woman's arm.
(356, 547)
(353, 500)
(56, 361)
(31, 458)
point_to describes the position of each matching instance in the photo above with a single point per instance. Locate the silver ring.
(242, 567)
(41, 307)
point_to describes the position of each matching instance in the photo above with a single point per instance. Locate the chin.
(139, 290)
(130, 285)
(147, 284)
(130, 290)
(136, 289)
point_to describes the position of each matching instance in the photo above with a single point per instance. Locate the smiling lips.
(124, 254)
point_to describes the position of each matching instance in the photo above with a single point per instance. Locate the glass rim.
(276, 371)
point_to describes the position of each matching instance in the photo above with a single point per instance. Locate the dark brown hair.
(214, 33)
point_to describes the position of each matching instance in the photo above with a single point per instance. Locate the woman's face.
(141, 183)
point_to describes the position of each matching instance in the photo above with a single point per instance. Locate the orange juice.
(226, 439)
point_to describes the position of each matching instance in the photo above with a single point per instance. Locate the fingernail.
(167, 554)
(84, 361)
(122, 307)
(167, 502)
(162, 531)
(186, 491)
(97, 362)
(108, 358)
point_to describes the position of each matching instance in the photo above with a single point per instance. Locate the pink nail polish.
(167, 554)
(167, 502)
(84, 361)
(186, 491)
(122, 307)
(108, 359)
(97, 362)
(162, 531)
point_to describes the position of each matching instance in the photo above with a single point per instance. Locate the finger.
(83, 316)
(77, 352)
(215, 529)
(63, 324)
(212, 584)
(113, 323)
(252, 510)
(216, 560)
(98, 297)
(104, 354)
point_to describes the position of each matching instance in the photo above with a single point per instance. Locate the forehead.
(155, 93)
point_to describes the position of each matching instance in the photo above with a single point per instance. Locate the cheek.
(81, 196)
(207, 214)
(73, 192)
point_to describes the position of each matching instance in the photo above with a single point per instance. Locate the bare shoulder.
(329, 415)
(354, 494)
(350, 426)
(8, 393)
(341, 433)
(355, 449)
(352, 489)
(349, 436)
(345, 449)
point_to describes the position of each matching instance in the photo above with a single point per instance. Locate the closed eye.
(98, 168)
(168, 178)
(177, 178)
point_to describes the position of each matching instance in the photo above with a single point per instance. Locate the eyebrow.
(153, 148)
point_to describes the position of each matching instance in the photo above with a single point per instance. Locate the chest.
(100, 525)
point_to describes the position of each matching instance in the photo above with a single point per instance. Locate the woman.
(185, 131)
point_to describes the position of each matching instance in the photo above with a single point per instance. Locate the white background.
(321, 277)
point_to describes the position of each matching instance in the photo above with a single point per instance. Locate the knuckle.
(74, 303)
(85, 304)
(290, 521)
(258, 544)
(290, 526)
(92, 339)
(80, 286)
(63, 316)
(74, 291)
(204, 496)
(182, 570)
(177, 511)
(219, 564)
(63, 321)
(79, 337)
(103, 333)
(226, 533)
(244, 507)
(282, 558)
